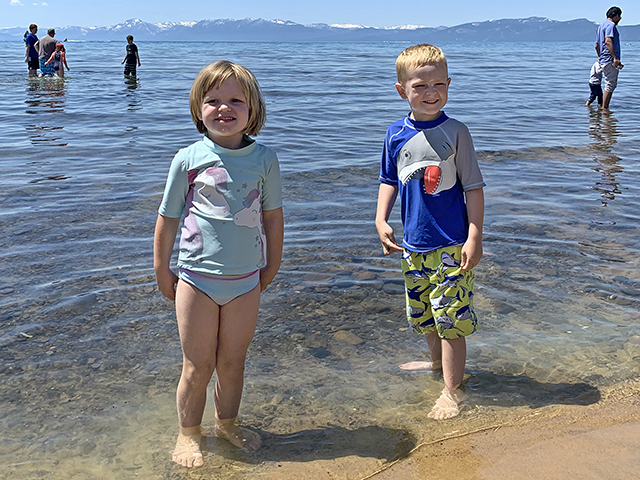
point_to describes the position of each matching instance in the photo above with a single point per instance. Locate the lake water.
(89, 350)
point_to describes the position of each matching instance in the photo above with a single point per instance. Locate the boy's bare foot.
(187, 452)
(240, 437)
(448, 405)
(434, 366)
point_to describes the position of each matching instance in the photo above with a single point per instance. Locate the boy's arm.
(472, 248)
(164, 238)
(273, 222)
(386, 198)
(138, 57)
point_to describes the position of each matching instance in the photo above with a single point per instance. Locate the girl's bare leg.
(238, 320)
(198, 325)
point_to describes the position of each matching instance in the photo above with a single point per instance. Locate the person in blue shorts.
(227, 187)
(430, 162)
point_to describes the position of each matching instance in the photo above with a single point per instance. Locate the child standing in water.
(59, 60)
(595, 84)
(228, 188)
(429, 160)
(131, 58)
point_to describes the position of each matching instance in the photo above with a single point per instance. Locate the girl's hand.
(266, 277)
(167, 281)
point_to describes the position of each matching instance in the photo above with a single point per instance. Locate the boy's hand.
(167, 281)
(388, 240)
(471, 253)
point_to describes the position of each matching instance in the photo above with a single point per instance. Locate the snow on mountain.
(531, 29)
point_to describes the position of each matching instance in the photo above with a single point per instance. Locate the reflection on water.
(133, 100)
(603, 133)
(45, 95)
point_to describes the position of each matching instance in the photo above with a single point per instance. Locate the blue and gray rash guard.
(432, 164)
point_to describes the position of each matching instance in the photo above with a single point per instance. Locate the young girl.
(228, 188)
(59, 60)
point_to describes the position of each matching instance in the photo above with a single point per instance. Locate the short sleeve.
(388, 165)
(467, 162)
(272, 186)
(175, 192)
(609, 30)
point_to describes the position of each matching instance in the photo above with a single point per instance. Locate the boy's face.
(426, 89)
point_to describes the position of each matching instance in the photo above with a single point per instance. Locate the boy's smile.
(426, 90)
(225, 114)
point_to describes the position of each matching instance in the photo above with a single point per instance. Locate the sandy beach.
(597, 441)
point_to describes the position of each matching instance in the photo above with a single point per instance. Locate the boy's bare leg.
(237, 325)
(454, 356)
(435, 350)
(197, 317)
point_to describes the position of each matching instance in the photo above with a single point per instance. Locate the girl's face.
(225, 114)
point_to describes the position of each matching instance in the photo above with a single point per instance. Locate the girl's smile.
(225, 114)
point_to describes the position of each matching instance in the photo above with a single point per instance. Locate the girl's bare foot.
(240, 437)
(434, 366)
(448, 405)
(187, 452)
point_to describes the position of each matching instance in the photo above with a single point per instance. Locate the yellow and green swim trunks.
(439, 293)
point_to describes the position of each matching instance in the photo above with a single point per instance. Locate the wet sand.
(596, 441)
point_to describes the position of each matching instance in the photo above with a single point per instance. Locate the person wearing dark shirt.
(31, 55)
(131, 58)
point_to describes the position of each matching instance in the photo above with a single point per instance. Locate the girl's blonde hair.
(213, 76)
(418, 56)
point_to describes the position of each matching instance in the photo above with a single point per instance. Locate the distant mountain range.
(533, 29)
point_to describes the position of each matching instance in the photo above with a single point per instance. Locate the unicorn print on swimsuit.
(251, 215)
(207, 191)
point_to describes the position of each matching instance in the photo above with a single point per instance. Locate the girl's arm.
(50, 59)
(273, 222)
(64, 60)
(164, 238)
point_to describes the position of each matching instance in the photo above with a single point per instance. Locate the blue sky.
(375, 13)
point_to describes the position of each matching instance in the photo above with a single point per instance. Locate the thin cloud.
(16, 3)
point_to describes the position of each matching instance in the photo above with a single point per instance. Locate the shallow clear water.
(89, 349)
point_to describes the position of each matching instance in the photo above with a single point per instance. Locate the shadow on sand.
(522, 390)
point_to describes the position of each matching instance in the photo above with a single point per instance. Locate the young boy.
(429, 160)
(595, 84)
(132, 58)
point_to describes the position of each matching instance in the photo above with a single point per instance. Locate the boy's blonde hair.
(418, 56)
(213, 76)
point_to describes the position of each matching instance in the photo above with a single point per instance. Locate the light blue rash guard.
(222, 194)
(432, 164)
